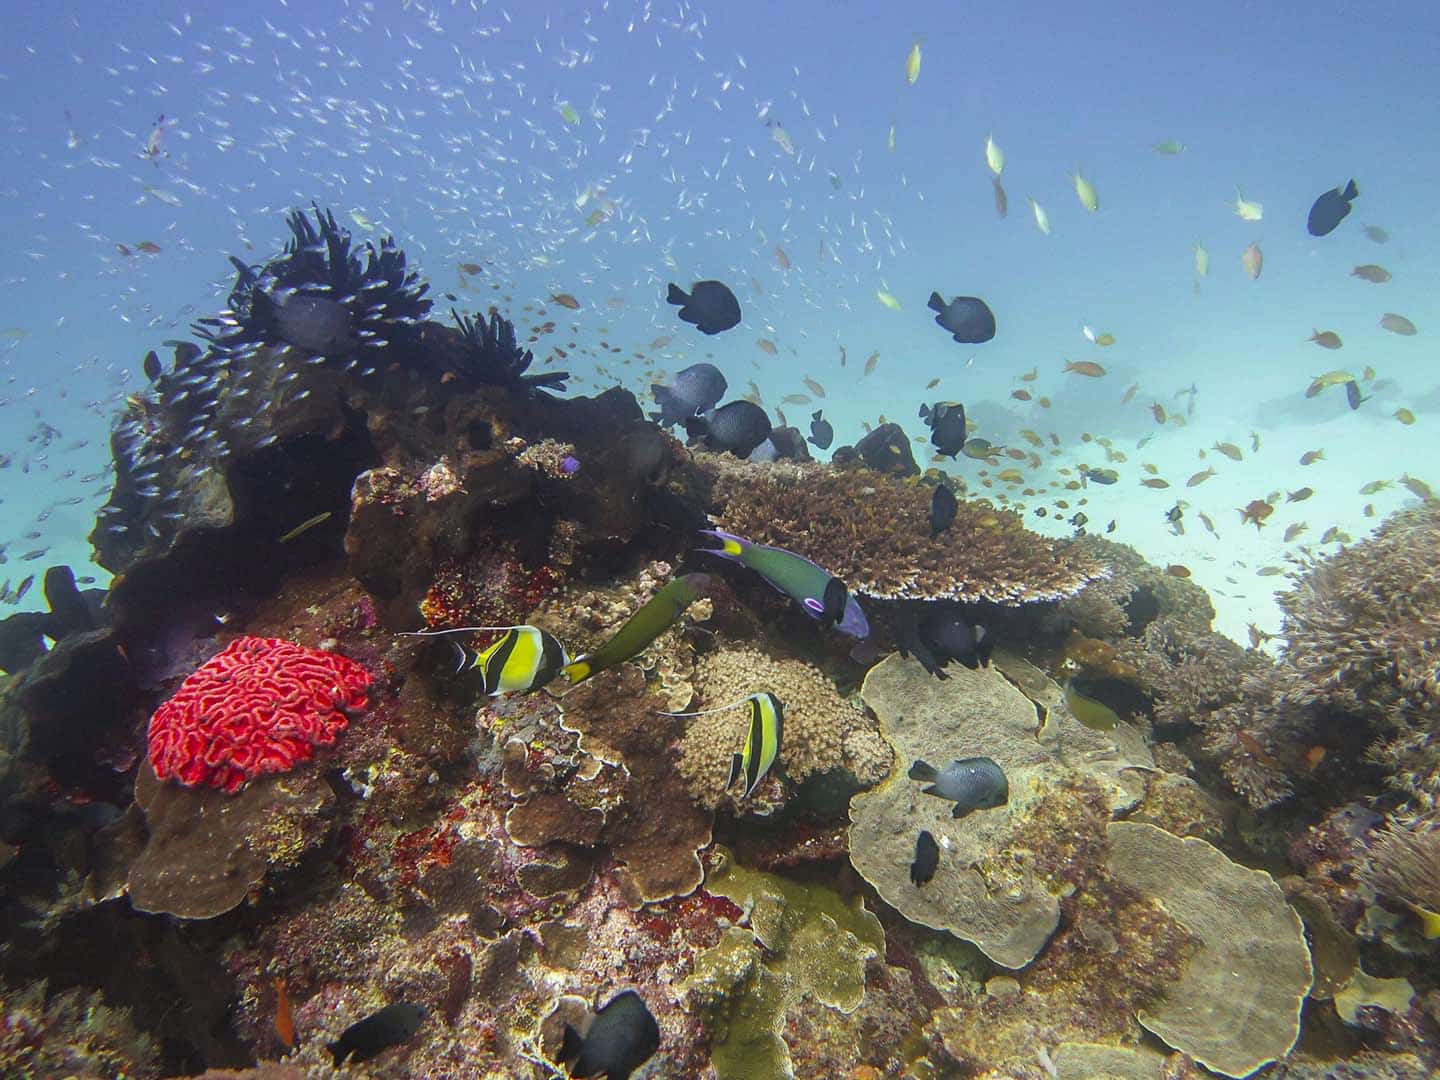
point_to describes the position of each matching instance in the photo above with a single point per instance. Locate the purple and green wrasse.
(823, 595)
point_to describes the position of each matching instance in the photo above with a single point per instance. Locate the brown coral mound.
(823, 731)
(874, 532)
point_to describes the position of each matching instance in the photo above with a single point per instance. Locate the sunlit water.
(604, 150)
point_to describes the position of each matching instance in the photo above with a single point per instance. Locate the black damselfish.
(622, 1037)
(367, 1038)
(1330, 209)
(927, 858)
(710, 305)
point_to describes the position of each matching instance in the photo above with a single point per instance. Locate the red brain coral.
(260, 705)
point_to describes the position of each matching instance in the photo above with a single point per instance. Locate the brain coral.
(823, 731)
(1237, 1005)
(992, 886)
(258, 706)
(873, 531)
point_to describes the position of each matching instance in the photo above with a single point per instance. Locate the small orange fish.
(1312, 456)
(1130, 394)
(1258, 752)
(1020, 395)
(284, 1016)
(1253, 261)
(766, 345)
(871, 361)
(565, 300)
(1088, 368)
(1177, 570)
(1314, 756)
(781, 258)
(1155, 482)
(933, 383)
(149, 247)
(1031, 375)
(1376, 275)
(813, 386)
(471, 268)
(1158, 411)
(123, 250)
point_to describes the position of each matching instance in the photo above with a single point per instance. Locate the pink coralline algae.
(261, 705)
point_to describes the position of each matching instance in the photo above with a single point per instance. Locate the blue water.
(445, 126)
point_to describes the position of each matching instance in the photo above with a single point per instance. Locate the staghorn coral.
(1403, 865)
(874, 532)
(822, 732)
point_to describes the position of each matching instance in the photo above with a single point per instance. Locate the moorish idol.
(762, 740)
(522, 659)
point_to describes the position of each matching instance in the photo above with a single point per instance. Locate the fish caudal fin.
(578, 670)
(937, 302)
(675, 295)
(731, 546)
(1351, 191)
(737, 769)
(571, 1044)
(337, 1053)
(922, 770)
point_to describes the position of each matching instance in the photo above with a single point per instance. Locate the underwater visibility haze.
(719, 540)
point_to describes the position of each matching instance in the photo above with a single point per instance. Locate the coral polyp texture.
(873, 531)
(260, 705)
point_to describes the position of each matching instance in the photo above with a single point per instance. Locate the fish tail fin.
(924, 411)
(696, 426)
(731, 546)
(578, 670)
(984, 646)
(922, 770)
(937, 302)
(675, 295)
(338, 1054)
(571, 1044)
(816, 414)
(1351, 191)
(737, 769)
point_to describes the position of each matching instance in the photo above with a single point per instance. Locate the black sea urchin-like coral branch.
(493, 356)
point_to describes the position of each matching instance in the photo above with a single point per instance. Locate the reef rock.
(990, 887)
(1237, 1005)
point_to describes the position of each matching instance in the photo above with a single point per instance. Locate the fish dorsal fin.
(712, 712)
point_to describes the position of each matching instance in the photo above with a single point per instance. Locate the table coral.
(873, 531)
(823, 731)
(990, 888)
(1237, 1004)
(260, 705)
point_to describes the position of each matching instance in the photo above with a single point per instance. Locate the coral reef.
(800, 941)
(1403, 866)
(1237, 1005)
(207, 849)
(70, 1033)
(1000, 876)
(260, 705)
(823, 731)
(873, 531)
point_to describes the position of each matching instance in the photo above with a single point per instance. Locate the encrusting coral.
(873, 531)
(1237, 1005)
(70, 1033)
(822, 730)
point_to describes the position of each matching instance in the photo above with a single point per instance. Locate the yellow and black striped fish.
(523, 659)
(762, 739)
(762, 742)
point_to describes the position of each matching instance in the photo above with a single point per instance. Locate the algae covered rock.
(1237, 1005)
(992, 886)
(802, 940)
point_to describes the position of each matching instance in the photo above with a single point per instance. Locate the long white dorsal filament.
(710, 712)
(457, 630)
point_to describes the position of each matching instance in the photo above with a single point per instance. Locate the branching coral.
(73, 1033)
(822, 731)
(873, 531)
(1404, 866)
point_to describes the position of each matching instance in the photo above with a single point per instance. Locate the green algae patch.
(802, 941)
